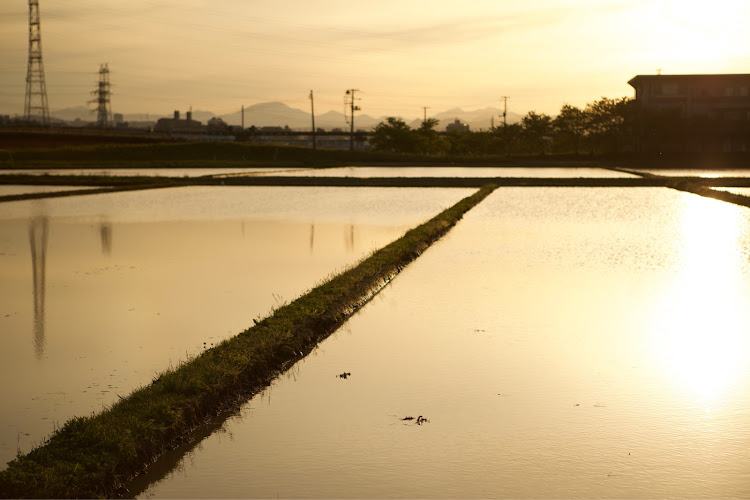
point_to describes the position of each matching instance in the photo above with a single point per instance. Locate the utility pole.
(505, 109)
(349, 100)
(243, 117)
(505, 124)
(36, 88)
(425, 108)
(312, 113)
(101, 99)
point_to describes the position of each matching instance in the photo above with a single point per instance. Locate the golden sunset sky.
(403, 54)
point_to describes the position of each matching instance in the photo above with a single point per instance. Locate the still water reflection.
(11, 189)
(587, 343)
(440, 171)
(38, 233)
(696, 172)
(101, 293)
(147, 172)
(744, 191)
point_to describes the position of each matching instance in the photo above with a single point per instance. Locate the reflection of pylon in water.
(38, 230)
(349, 238)
(105, 232)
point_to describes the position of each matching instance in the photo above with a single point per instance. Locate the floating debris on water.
(419, 420)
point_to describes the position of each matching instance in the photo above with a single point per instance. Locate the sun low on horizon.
(403, 56)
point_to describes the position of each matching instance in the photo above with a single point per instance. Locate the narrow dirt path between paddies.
(95, 456)
(701, 186)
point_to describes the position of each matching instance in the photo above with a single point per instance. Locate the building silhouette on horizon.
(178, 125)
(692, 113)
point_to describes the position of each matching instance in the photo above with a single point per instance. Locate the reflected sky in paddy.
(441, 171)
(101, 293)
(563, 343)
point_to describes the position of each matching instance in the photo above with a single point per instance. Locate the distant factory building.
(692, 113)
(457, 126)
(179, 126)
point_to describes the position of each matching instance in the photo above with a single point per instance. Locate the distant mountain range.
(270, 114)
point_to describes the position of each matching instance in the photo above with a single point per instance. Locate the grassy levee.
(185, 154)
(81, 192)
(224, 154)
(94, 456)
(695, 188)
(702, 186)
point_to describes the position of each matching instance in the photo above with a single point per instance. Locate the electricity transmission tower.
(101, 99)
(349, 101)
(35, 103)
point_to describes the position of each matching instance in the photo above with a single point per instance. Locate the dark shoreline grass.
(186, 153)
(95, 456)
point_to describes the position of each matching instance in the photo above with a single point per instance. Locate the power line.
(349, 100)
(505, 109)
(312, 113)
(425, 108)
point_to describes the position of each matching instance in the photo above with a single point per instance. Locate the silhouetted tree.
(430, 141)
(605, 119)
(469, 143)
(507, 139)
(394, 135)
(570, 128)
(537, 131)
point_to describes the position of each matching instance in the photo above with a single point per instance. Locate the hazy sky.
(403, 54)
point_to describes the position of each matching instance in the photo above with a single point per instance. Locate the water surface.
(736, 190)
(10, 189)
(438, 171)
(146, 172)
(689, 172)
(569, 342)
(100, 293)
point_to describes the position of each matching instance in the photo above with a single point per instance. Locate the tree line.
(597, 128)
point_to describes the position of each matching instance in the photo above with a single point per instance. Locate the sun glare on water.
(700, 334)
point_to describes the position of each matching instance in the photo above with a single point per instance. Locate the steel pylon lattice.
(101, 98)
(35, 104)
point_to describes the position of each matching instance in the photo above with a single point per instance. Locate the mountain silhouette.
(278, 114)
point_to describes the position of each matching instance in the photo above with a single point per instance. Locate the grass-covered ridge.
(185, 154)
(94, 456)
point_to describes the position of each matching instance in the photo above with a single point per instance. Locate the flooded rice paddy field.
(146, 172)
(101, 293)
(560, 342)
(354, 171)
(687, 172)
(736, 190)
(10, 189)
